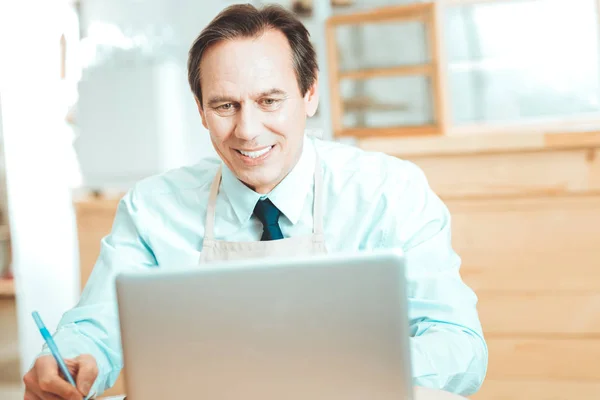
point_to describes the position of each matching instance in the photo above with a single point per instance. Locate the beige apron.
(220, 250)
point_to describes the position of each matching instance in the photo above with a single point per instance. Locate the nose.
(248, 123)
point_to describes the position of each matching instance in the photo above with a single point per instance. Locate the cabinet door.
(384, 71)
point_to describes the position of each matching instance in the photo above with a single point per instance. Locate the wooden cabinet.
(95, 217)
(392, 92)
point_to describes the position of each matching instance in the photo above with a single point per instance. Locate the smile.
(256, 153)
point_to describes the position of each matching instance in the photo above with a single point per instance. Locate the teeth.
(255, 154)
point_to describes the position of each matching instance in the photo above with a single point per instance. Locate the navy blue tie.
(268, 214)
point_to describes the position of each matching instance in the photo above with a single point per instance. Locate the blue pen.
(52, 346)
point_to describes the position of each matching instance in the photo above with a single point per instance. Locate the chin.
(257, 181)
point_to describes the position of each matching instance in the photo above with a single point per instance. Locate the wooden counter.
(526, 222)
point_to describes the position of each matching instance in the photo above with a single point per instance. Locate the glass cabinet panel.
(386, 102)
(381, 45)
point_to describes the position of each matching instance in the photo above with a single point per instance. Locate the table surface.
(420, 394)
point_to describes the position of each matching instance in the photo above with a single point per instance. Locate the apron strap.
(209, 226)
(318, 198)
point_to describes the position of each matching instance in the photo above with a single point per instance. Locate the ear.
(201, 111)
(311, 98)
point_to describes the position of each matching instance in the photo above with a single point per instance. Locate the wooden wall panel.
(538, 244)
(544, 359)
(530, 271)
(527, 227)
(542, 314)
(515, 174)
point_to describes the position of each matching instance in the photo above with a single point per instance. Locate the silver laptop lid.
(324, 327)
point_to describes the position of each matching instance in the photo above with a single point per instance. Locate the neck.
(265, 189)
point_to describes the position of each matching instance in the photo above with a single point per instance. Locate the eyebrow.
(271, 92)
(218, 99)
(225, 99)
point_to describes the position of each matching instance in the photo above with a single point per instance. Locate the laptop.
(320, 328)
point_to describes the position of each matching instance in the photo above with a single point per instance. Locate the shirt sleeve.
(448, 349)
(92, 326)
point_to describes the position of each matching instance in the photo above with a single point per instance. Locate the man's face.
(253, 108)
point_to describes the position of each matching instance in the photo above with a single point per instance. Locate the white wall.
(37, 144)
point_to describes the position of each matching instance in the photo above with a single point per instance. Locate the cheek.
(220, 128)
(287, 117)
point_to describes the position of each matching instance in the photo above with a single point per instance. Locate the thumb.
(87, 373)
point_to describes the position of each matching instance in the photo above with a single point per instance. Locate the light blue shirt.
(370, 201)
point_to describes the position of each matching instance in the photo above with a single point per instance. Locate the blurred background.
(498, 101)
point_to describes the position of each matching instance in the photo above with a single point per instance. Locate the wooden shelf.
(367, 103)
(7, 287)
(392, 133)
(402, 70)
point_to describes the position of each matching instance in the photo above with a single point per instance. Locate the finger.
(32, 389)
(50, 382)
(72, 365)
(87, 374)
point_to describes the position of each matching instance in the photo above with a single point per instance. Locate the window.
(522, 61)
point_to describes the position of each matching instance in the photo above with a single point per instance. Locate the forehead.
(246, 65)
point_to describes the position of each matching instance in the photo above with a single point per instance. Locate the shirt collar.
(289, 196)
(241, 197)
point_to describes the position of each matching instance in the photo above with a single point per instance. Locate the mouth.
(255, 154)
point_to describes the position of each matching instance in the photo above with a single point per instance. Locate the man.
(273, 192)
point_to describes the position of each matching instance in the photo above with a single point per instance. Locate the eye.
(225, 107)
(270, 103)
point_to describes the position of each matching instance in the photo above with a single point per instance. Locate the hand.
(44, 382)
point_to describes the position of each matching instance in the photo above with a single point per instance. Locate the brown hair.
(246, 21)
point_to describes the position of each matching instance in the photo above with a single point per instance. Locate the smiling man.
(252, 103)
(273, 192)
